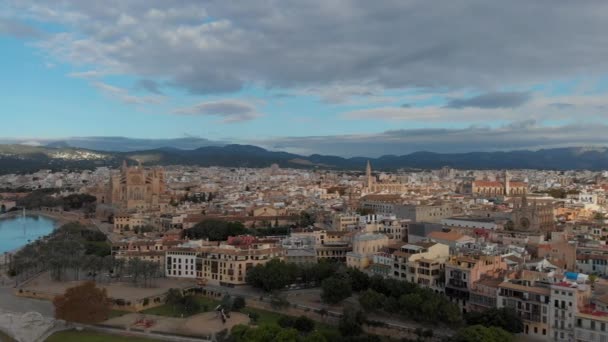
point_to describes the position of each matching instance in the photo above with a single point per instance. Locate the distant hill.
(21, 158)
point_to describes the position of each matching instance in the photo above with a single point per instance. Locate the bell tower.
(507, 184)
(368, 175)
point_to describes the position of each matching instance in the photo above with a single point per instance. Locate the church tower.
(507, 183)
(368, 174)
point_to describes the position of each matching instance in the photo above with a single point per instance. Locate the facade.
(536, 216)
(497, 188)
(531, 300)
(136, 188)
(461, 272)
(372, 185)
(345, 221)
(365, 245)
(144, 249)
(590, 326)
(567, 300)
(421, 263)
(424, 212)
(224, 264)
(181, 262)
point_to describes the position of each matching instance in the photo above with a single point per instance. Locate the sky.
(347, 78)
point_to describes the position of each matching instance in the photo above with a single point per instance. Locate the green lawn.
(117, 313)
(265, 316)
(89, 336)
(205, 303)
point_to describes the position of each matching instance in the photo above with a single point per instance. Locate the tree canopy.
(504, 318)
(83, 304)
(475, 333)
(215, 230)
(336, 288)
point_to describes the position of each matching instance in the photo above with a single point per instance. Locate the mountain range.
(25, 159)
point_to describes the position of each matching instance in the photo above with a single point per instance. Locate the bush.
(254, 316)
(304, 324)
(238, 303)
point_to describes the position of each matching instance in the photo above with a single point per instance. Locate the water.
(16, 232)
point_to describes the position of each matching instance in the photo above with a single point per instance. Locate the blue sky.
(337, 78)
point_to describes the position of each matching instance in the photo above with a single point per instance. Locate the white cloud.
(124, 96)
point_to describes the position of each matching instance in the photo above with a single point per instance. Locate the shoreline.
(57, 222)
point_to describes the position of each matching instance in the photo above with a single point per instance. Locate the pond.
(16, 232)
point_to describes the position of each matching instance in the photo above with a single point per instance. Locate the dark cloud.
(223, 46)
(406, 105)
(230, 110)
(521, 135)
(492, 100)
(149, 85)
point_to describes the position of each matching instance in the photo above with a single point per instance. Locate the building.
(590, 326)
(372, 185)
(136, 188)
(452, 239)
(532, 215)
(381, 204)
(461, 272)
(496, 188)
(531, 300)
(424, 212)
(144, 249)
(421, 263)
(224, 264)
(345, 221)
(365, 245)
(567, 300)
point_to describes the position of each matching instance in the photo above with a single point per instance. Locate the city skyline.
(335, 79)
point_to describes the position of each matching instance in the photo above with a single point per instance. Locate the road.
(10, 302)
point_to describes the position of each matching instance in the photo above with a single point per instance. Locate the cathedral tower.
(368, 174)
(507, 183)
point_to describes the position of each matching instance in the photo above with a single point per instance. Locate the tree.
(359, 280)
(475, 333)
(504, 318)
(238, 303)
(371, 300)
(335, 289)
(241, 333)
(305, 219)
(351, 322)
(274, 275)
(304, 324)
(215, 230)
(83, 304)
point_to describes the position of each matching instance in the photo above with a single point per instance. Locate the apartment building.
(224, 264)
(424, 212)
(463, 271)
(144, 249)
(531, 300)
(365, 245)
(591, 326)
(421, 263)
(567, 300)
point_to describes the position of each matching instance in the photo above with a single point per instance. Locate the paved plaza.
(203, 324)
(119, 290)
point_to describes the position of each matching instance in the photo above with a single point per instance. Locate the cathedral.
(372, 186)
(137, 188)
(496, 188)
(537, 216)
